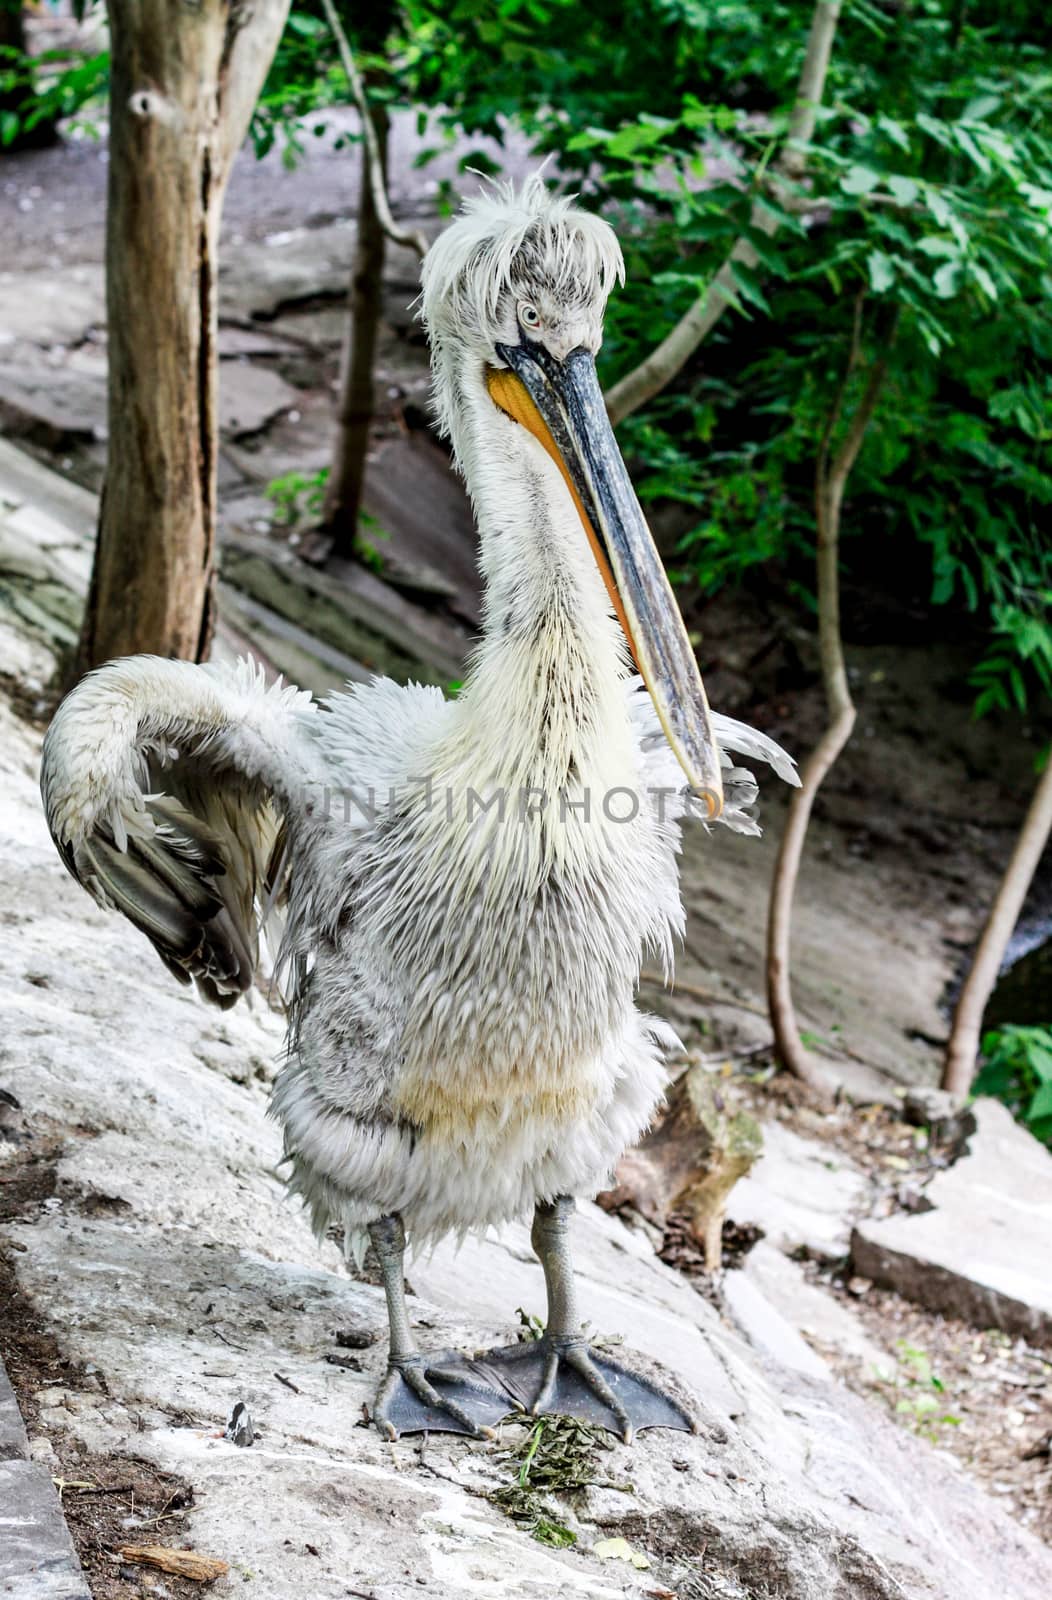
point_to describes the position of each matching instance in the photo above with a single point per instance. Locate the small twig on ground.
(288, 1383)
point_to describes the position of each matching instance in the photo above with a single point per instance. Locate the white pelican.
(468, 884)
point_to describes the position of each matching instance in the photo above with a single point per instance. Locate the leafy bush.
(1017, 1069)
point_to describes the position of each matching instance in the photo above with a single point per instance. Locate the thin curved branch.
(675, 350)
(830, 482)
(411, 238)
(963, 1047)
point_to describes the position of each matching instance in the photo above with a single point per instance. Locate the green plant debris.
(369, 529)
(922, 1394)
(556, 1456)
(531, 1328)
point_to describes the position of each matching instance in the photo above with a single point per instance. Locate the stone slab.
(770, 1334)
(13, 1442)
(825, 1322)
(292, 265)
(52, 308)
(37, 1559)
(801, 1193)
(984, 1252)
(52, 406)
(411, 491)
(250, 396)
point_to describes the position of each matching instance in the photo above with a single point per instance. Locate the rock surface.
(13, 1443)
(825, 1323)
(990, 1262)
(168, 1258)
(801, 1193)
(37, 1561)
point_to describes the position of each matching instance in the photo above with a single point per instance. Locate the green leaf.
(881, 271)
(947, 280)
(630, 141)
(934, 245)
(904, 189)
(979, 109)
(972, 150)
(1041, 1104)
(749, 285)
(1040, 1060)
(984, 280)
(894, 131)
(860, 180)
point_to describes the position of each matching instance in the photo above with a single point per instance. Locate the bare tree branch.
(963, 1047)
(411, 238)
(671, 355)
(830, 482)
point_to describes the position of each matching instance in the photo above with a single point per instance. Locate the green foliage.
(531, 1328)
(306, 77)
(297, 496)
(929, 189)
(43, 89)
(299, 500)
(1017, 1069)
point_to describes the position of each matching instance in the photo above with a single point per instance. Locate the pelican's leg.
(424, 1393)
(559, 1372)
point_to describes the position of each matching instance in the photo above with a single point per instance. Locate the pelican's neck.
(546, 686)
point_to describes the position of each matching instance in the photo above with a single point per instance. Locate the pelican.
(465, 886)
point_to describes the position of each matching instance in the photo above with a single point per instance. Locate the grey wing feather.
(746, 741)
(165, 790)
(740, 789)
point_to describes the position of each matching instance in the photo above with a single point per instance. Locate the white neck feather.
(544, 702)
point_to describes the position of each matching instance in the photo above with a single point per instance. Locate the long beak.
(561, 403)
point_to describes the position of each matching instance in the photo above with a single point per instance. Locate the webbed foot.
(437, 1393)
(563, 1375)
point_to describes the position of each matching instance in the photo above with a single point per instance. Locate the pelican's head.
(514, 293)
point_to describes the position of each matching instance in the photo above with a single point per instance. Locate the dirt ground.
(981, 1397)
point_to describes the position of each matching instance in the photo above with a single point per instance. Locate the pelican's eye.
(529, 316)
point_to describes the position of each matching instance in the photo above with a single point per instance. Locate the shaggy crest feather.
(501, 240)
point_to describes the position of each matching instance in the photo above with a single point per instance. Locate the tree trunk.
(830, 483)
(343, 495)
(963, 1047)
(184, 81)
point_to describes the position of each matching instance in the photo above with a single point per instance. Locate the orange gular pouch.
(510, 395)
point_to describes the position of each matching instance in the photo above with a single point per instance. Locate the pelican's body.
(471, 883)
